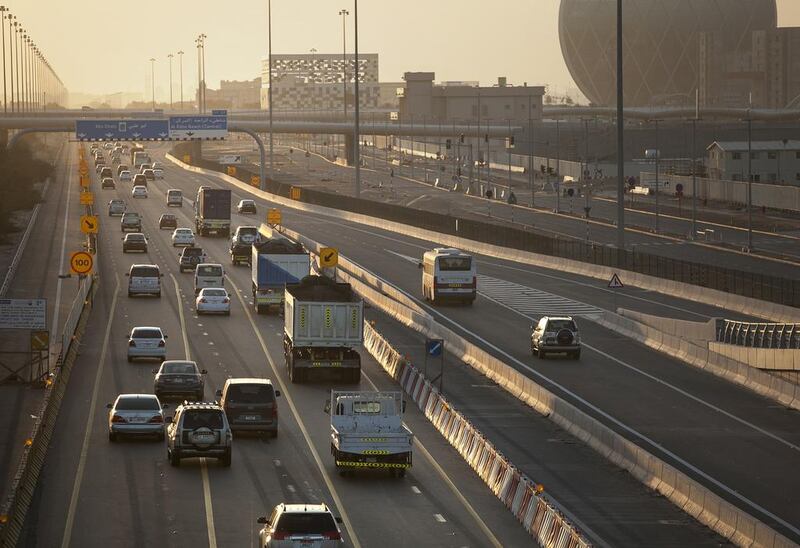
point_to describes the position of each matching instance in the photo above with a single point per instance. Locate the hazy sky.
(102, 46)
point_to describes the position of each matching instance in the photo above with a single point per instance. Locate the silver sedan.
(135, 415)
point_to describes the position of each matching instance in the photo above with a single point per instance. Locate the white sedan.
(125, 175)
(182, 236)
(147, 342)
(213, 300)
(139, 191)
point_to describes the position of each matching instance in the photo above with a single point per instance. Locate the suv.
(556, 334)
(306, 524)
(190, 257)
(131, 221)
(199, 430)
(250, 405)
(139, 179)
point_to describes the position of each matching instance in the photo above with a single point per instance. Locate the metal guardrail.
(760, 335)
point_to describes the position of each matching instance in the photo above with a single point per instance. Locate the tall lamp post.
(203, 61)
(269, 90)
(749, 180)
(344, 14)
(356, 135)
(180, 64)
(170, 56)
(694, 162)
(11, 60)
(620, 136)
(16, 64)
(3, 11)
(153, 81)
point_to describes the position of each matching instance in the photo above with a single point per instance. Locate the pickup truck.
(367, 431)
(190, 257)
(243, 239)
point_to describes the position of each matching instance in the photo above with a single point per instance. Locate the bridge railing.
(760, 335)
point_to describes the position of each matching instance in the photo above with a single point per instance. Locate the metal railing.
(760, 335)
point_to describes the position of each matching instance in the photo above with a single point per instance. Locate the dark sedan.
(179, 378)
(167, 220)
(134, 241)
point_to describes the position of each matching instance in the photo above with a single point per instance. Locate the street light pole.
(749, 182)
(694, 162)
(356, 136)
(197, 41)
(11, 60)
(3, 11)
(203, 61)
(16, 49)
(180, 64)
(531, 176)
(269, 90)
(344, 14)
(170, 56)
(153, 81)
(658, 153)
(620, 136)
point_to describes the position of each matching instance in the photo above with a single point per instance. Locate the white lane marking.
(290, 401)
(56, 311)
(442, 474)
(416, 490)
(212, 533)
(439, 518)
(616, 421)
(415, 200)
(76, 486)
(533, 301)
(291, 488)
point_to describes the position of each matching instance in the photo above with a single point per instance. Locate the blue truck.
(275, 263)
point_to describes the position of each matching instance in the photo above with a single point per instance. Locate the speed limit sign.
(81, 262)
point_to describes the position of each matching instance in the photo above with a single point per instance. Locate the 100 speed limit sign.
(81, 262)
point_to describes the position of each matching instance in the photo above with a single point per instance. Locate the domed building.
(671, 48)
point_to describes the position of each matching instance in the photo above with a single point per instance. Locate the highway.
(439, 503)
(403, 190)
(688, 417)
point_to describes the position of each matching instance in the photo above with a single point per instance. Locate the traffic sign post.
(89, 224)
(255, 180)
(328, 257)
(87, 198)
(274, 216)
(231, 171)
(85, 181)
(81, 263)
(187, 159)
(434, 348)
(615, 283)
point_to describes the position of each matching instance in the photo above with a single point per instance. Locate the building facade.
(771, 161)
(234, 94)
(422, 99)
(320, 82)
(671, 49)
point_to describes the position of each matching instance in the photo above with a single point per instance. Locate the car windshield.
(144, 272)
(203, 418)
(168, 217)
(304, 523)
(557, 325)
(214, 293)
(146, 333)
(248, 231)
(209, 270)
(130, 217)
(137, 403)
(447, 264)
(179, 369)
(137, 237)
(250, 393)
(183, 232)
(193, 251)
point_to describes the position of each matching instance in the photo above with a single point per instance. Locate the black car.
(108, 182)
(167, 220)
(134, 241)
(190, 257)
(179, 378)
(246, 206)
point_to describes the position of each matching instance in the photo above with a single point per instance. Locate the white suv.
(300, 524)
(199, 430)
(555, 335)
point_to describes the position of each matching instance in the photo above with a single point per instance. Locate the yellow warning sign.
(40, 340)
(328, 257)
(295, 193)
(81, 262)
(89, 224)
(83, 169)
(87, 198)
(255, 180)
(187, 159)
(232, 171)
(274, 216)
(85, 181)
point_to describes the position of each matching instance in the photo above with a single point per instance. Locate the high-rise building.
(671, 49)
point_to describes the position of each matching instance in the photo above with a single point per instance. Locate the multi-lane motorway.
(95, 493)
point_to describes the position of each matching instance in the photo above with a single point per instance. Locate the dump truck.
(212, 212)
(276, 262)
(323, 324)
(367, 431)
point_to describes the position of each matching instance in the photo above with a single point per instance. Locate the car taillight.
(132, 343)
(203, 301)
(280, 535)
(332, 535)
(161, 344)
(157, 419)
(226, 300)
(117, 418)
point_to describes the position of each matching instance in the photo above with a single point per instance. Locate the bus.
(448, 274)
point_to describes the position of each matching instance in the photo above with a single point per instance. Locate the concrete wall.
(762, 358)
(699, 333)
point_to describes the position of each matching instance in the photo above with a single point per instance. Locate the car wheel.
(130, 359)
(576, 355)
(112, 437)
(174, 458)
(226, 459)
(541, 354)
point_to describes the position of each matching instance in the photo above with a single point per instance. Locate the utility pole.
(531, 176)
(620, 136)
(203, 60)
(11, 61)
(197, 41)
(694, 162)
(658, 153)
(180, 64)
(170, 56)
(153, 81)
(3, 11)
(344, 14)
(269, 90)
(749, 179)
(558, 166)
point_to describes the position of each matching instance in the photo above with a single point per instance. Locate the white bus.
(448, 274)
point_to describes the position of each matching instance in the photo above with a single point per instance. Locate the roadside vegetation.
(20, 172)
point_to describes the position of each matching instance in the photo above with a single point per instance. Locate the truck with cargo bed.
(276, 262)
(323, 325)
(367, 431)
(212, 212)
(242, 240)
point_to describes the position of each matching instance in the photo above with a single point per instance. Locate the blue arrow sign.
(121, 130)
(198, 127)
(434, 347)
